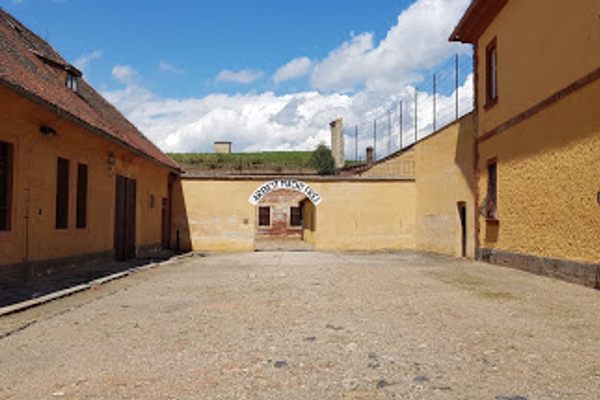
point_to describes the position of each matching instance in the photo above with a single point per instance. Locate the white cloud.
(244, 76)
(83, 62)
(294, 69)
(419, 40)
(373, 79)
(168, 67)
(123, 73)
(298, 121)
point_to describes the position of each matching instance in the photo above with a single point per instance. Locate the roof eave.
(478, 16)
(66, 114)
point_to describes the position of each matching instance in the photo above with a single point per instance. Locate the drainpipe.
(28, 269)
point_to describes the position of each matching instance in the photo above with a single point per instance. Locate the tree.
(322, 160)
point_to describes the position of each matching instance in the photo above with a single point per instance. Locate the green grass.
(352, 163)
(271, 160)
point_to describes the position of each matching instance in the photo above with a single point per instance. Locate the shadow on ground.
(12, 292)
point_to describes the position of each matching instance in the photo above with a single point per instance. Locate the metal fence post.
(434, 102)
(356, 143)
(416, 113)
(390, 132)
(375, 140)
(441, 83)
(456, 83)
(401, 122)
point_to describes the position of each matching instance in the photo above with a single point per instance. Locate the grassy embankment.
(247, 163)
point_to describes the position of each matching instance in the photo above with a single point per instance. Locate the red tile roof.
(30, 66)
(476, 19)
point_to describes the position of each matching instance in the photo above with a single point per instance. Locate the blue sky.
(200, 38)
(267, 74)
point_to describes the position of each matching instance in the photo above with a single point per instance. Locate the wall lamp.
(46, 130)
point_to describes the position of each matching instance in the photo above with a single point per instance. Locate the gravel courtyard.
(310, 326)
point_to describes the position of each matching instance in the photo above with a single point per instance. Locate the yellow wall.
(402, 165)
(543, 46)
(548, 164)
(548, 182)
(365, 216)
(34, 191)
(216, 215)
(444, 166)
(352, 216)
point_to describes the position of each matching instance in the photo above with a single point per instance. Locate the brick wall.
(280, 203)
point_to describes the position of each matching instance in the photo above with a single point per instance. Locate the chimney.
(337, 142)
(369, 155)
(223, 147)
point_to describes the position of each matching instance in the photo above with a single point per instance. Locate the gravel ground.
(310, 326)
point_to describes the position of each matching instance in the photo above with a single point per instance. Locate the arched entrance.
(285, 215)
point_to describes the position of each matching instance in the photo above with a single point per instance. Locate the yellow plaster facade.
(548, 182)
(444, 176)
(401, 165)
(34, 187)
(543, 46)
(354, 215)
(543, 133)
(442, 165)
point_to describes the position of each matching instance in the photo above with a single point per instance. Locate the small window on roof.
(72, 81)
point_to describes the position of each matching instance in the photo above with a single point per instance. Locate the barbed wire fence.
(417, 112)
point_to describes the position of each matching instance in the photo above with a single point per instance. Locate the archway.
(285, 215)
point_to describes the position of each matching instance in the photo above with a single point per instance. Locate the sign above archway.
(285, 184)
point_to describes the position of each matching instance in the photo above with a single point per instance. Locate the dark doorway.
(462, 212)
(125, 218)
(165, 225)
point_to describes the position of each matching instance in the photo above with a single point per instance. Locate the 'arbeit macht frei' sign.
(289, 184)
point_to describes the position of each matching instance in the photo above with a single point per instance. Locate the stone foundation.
(571, 271)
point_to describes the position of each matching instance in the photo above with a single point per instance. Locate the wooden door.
(125, 221)
(165, 225)
(130, 222)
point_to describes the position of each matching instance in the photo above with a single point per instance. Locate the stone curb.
(38, 301)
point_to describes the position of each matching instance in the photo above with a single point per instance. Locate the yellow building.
(78, 182)
(442, 166)
(418, 199)
(538, 134)
(517, 182)
(342, 214)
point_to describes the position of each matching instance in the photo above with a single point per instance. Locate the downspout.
(475, 182)
(28, 269)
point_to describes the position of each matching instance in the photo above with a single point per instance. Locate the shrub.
(322, 160)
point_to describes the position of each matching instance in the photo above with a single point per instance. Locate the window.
(62, 194)
(491, 206)
(264, 216)
(82, 185)
(72, 82)
(296, 216)
(491, 74)
(5, 185)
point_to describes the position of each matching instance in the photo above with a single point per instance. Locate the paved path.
(310, 326)
(284, 244)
